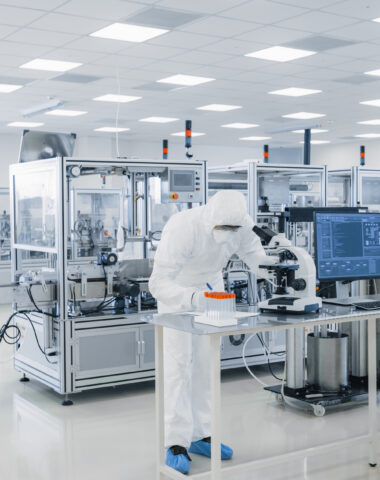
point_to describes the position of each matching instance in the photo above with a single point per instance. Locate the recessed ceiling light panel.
(193, 134)
(8, 88)
(159, 119)
(240, 125)
(280, 54)
(368, 135)
(376, 73)
(110, 97)
(66, 113)
(372, 103)
(111, 129)
(50, 65)
(376, 121)
(295, 92)
(219, 107)
(25, 124)
(304, 115)
(128, 33)
(185, 80)
(254, 139)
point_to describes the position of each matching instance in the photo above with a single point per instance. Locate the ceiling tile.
(37, 4)
(315, 4)
(105, 10)
(317, 22)
(209, 6)
(358, 50)
(41, 37)
(352, 8)
(93, 44)
(273, 35)
(68, 23)
(357, 79)
(71, 55)
(233, 47)
(202, 58)
(363, 31)
(220, 26)
(18, 16)
(145, 50)
(19, 49)
(163, 17)
(263, 11)
(319, 43)
(74, 78)
(184, 40)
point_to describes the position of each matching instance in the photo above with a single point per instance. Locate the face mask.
(223, 236)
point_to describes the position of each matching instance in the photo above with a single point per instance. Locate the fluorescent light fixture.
(25, 124)
(8, 88)
(368, 135)
(182, 134)
(254, 139)
(313, 130)
(66, 113)
(219, 107)
(110, 97)
(376, 20)
(185, 80)
(240, 125)
(280, 54)
(372, 103)
(376, 121)
(111, 129)
(304, 115)
(376, 73)
(318, 142)
(128, 33)
(295, 92)
(50, 65)
(159, 119)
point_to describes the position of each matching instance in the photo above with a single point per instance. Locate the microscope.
(293, 277)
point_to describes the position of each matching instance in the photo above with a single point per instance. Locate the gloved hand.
(198, 301)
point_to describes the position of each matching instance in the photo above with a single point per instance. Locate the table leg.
(160, 426)
(372, 390)
(216, 462)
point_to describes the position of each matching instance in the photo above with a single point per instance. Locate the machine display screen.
(347, 245)
(181, 180)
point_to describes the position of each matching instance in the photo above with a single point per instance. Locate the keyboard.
(371, 305)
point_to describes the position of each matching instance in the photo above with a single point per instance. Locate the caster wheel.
(24, 379)
(67, 403)
(319, 410)
(372, 465)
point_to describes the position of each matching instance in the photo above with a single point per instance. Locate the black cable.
(15, 339)
(268, 360)
(31, 298)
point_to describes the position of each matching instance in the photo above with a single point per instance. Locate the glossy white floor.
(109, 434)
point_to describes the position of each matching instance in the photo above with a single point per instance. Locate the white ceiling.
(210, 41)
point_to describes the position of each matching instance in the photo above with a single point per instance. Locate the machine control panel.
(183, 184)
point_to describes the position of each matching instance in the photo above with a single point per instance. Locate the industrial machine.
(271, 188)
(293, 275)
(5, 245)
(91, 228)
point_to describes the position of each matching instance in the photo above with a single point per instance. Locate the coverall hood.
(226, 207)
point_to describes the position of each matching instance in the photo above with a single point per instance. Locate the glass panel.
(339, 190)
(36, 205)
(95, 221)
(5, 227)
(371, 192)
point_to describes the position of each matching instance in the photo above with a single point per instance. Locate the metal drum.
(327, 362)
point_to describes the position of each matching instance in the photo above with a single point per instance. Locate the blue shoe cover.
(203, 447)
(177, 460)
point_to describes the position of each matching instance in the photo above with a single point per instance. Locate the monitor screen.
(347, 245)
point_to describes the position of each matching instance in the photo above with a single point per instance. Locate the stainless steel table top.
(185, 322)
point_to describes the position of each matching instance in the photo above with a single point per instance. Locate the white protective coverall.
(190, 254)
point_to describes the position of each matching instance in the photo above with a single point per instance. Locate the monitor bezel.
(338, 279)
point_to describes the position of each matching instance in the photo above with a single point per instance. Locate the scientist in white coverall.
(195, 246)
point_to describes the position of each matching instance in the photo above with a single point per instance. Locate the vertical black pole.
(306, 147)
(362, 155)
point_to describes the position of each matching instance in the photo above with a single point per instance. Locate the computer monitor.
(347, 245)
